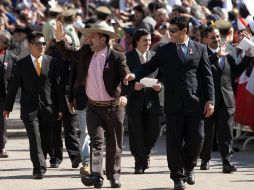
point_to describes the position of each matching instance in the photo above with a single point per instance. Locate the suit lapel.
(216, 64)
(108, 63)
(190, 51)
(31, 66)
(44, 65)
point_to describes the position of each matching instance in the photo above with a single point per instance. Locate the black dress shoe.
(54, 165)
(179, 185)
(115, 183)
(91, 180)
(228, 168)
(139, 171)
(76, 161)
(204, 165)
(38, 175)
(190, 177)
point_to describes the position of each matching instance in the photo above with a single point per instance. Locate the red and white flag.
(245, 100)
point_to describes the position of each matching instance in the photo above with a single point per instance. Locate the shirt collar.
(185, 43)
(33, 58)
(214, 50)
(103, 52)
(140, 53)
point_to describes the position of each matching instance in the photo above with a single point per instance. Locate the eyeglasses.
(173, 30)
(39, 43)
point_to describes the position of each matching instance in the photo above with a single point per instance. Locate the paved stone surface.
(15, 172)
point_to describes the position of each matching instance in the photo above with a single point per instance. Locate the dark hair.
(179, 9)
(137, 35)
(181, 22)
(205, 31)
(142, 9)
(106, 36)
(101, 16)
(35, 34)
(153, 6)
(68, 18)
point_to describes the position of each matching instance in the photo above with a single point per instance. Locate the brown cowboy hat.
(100, 27)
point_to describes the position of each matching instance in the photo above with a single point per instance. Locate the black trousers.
(70, 124)
(223, 120)
(185, 136)
(143, 129)
(39, 127)
(108, 119)
(3, 137)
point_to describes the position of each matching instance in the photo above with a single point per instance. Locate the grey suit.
(223, 116)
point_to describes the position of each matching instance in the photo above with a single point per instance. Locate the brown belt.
(102, 103)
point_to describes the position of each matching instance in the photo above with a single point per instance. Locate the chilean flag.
(245, 100)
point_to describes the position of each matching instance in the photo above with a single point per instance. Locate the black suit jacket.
(114, 71)
(188, 85)
(44, 90)
(224, 95)
(10, 59)
(146, 97)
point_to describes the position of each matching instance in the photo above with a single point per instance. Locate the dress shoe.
(75, 162)
(147, 164)
(139, 171)
(85, 169)
(228, 168)
(115, 183)
(38, 175)
(91, 180)
(179, 185)
(204, 165)
(3, 154)
(190, 177)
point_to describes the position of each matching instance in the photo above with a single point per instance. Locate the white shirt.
(33, 60)
(142, 56)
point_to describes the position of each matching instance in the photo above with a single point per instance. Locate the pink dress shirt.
(95, 88)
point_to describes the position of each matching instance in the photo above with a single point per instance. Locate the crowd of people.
(79, 64)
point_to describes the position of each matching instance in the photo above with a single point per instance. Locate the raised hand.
(222, 50)
(59, 31)
(128, 77)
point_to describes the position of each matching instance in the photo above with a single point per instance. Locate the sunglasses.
(173, 30)
(39, 43)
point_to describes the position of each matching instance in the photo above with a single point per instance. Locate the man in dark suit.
(143, 108)
(100, 70)
(7, 62)
(69, 120)
(189, 97)
(223, 68)
(41, 96)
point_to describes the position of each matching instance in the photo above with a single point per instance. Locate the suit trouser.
(70, 124)
(108, 119)
(39, 127)
(223, 120)
(185, 135)
(143, 129)
(3, 127)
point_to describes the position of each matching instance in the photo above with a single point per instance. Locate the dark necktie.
(180, 52)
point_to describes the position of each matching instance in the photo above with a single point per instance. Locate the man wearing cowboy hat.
(100, 70)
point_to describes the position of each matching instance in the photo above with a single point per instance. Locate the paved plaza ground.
(15, 172)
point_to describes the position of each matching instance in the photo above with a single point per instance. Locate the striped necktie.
(38, 66)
